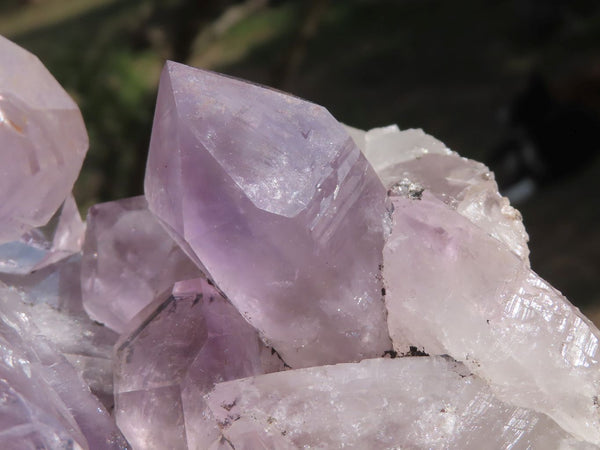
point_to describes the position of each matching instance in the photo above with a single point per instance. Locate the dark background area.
(461, 70)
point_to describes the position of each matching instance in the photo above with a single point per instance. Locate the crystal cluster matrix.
(285, 282)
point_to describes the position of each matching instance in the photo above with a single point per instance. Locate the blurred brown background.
(515, 83)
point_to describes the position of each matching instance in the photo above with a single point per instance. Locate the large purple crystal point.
(128, 259)
(42, 142)
(173, 353)
(272, 197)
(453, 289)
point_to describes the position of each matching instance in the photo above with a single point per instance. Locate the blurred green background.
(452, 68)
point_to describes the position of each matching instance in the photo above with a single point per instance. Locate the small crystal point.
(172, 354)
(128, 259)
(270, 194)
(453, 289)
(42, 139)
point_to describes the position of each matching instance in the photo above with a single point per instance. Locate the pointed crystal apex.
(270, 194)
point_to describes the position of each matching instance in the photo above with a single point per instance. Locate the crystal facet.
(271, 196)
(42, 142)
(128, 259)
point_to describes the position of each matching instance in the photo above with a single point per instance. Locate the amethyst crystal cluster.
(285, 282)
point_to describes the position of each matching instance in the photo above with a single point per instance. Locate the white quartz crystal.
(453, 289)
(415, 402)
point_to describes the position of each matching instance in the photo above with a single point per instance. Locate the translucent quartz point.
(45, 402)
(270, 194)
(172, 354)
(128, 259)
(418, 402)
(410, 161)
(453, 289)
(60, 237)
(52, 301)
(42, 142)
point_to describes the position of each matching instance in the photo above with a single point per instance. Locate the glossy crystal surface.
(270, 195)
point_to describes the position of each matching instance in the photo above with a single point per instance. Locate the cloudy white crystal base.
(412, 402)
(454, 289)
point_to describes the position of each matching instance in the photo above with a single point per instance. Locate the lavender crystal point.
(378, 403)
(128, 259)
(42, 142)
(270, 194)
(174, 353)
(453, 289)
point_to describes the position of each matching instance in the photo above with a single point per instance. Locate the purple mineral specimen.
(272, 197)
(172, 354)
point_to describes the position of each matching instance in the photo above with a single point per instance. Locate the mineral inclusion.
(286, 282)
